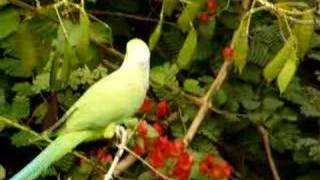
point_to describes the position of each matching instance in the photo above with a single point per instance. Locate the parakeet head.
(137, 52)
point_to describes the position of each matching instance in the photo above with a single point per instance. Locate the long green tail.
(56, 150)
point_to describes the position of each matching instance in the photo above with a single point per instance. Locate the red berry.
(203, 17)
(227, 53)
(158, 127)
(183, 166)
(138, 149)
(176, 148)
(100, 154)
(107, 158)
(143, 129)
(162, 109)
(212, 5)
(146, 107)
(206, 165)
(225, 168)
(157, 158)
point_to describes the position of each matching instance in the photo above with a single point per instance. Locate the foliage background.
(47, 61)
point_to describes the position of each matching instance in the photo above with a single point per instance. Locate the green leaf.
(20, 107)
(69, 61)
(192, 86)
(155, 36)
(185, 55)
(169, 6)
(189, 13)
(304, 34)
(84, 40)
(289, 114)
(272, 103)
(40, 112)
(220, 97)
(164, 74)
(9, 21)
(23, 88)
(273, 68)
(100, 33)
(146, 176)
(23, 138)
(287, 72)
(2, 172)
(241, 45)
(250, 104)
(26, 51)
(2, 3)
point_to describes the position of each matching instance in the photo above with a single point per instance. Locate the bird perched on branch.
(113, 99)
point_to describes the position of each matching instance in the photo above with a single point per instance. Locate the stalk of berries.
(210, 10)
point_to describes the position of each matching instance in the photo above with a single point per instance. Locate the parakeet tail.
(56, 150)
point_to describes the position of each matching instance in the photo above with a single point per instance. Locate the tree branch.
(267, 148)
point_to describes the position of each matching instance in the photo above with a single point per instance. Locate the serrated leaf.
(241, 45)
(287, 72)
(192, 86)
(26, 51)
(155, 36)
(220, 97)
(9, 21)
(185, 55)
(250, 104)
(20, 107)
(289, 114)
(272, 70)
(272, 103)
(304, 34)
(23, 88)
(23, 138)
(164, 74)
(100, 33)
(65, 163)
(189, 13)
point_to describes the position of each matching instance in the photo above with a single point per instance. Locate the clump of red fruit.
(211, 8)
(161, 149)
(214, 167)
(104, 157)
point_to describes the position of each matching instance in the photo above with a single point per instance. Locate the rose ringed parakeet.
(112, 99)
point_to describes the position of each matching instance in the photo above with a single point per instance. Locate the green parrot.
(112, 99)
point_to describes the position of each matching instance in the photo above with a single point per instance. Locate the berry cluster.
(162, 108)
(211, 9)
(172, 156)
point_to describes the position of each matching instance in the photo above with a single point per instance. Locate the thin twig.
(121, 132)
(130, 16)
(265, 139)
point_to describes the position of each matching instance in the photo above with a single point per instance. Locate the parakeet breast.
(113, 98)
